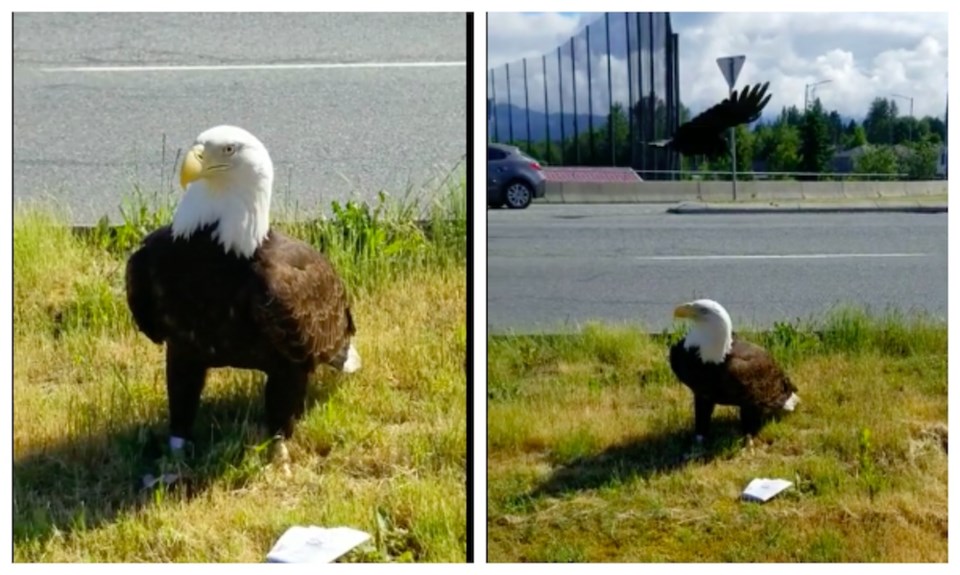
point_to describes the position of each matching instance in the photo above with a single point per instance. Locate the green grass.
(588, 436)
(382, 450)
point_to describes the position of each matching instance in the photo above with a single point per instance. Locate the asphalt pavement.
(347, 104)
(554, 267)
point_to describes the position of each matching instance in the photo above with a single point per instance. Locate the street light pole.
(910, 128)
(806, 91)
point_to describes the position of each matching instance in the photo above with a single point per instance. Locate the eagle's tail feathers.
(352, 363)
(791, 403)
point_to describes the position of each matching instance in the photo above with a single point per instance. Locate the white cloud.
(864, 55)
(513, 36)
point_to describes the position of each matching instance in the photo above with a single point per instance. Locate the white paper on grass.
(315, 544)
(763, 489)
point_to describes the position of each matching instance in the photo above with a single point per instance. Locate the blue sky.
(864, 55)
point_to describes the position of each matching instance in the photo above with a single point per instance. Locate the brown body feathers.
(283, 311)
(748, 378)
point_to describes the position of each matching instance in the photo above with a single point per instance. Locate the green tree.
(921, 164)
(933, 129)
(618, 120)
(763, 142)
(880, 120)
(876, 160)
(815, 149)
(905, 130)
(856, 139)
(938, 127)
(849, 128)
(785, 155)
(790, 116)
(745, 146)
(835, 128)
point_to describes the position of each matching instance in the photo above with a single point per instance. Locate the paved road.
(86, 138)
(552, 267)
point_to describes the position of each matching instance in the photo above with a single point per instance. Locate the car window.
(495, 154)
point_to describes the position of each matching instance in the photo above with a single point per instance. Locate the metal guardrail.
(770, 175)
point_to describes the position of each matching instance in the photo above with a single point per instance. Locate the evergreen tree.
(815, 148)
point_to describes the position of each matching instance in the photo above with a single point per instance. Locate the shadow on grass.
(642, 457)
(86, 482)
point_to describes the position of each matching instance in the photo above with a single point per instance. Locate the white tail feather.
(791, 402)
(352, 363)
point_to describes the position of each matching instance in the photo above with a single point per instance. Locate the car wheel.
(518, 195)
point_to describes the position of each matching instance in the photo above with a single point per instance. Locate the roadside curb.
(698, 208)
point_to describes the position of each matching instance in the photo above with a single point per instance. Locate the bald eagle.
(706, 133)
(220, 288)
(722, 369)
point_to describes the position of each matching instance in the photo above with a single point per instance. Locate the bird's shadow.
(641, 456)
(87, 481)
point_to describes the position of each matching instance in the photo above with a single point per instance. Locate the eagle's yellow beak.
(685, 311)
(192, 167)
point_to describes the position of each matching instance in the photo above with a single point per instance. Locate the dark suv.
(513, 178)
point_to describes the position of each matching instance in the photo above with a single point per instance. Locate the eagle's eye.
(228, 150)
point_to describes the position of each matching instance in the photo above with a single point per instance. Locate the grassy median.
(588, 434)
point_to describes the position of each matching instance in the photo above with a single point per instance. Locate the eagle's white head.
(228, 179)
(712, 331)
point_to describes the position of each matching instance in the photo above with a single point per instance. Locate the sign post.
(730, 66)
